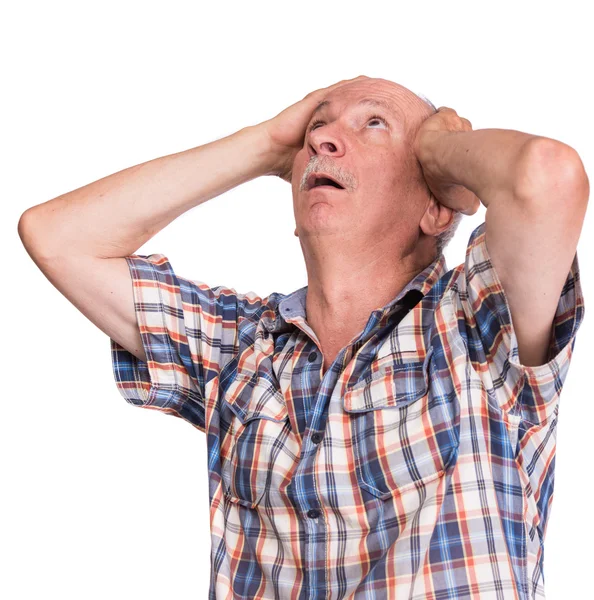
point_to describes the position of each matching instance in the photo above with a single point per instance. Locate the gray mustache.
(327, 165)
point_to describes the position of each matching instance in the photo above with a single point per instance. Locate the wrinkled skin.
(386, 191)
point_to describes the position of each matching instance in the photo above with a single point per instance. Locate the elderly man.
(387, 431)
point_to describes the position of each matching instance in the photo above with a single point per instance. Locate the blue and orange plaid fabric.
(420, 465)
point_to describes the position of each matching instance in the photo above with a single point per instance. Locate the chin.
(319, 228)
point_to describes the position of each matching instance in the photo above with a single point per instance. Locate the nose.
(326, 140)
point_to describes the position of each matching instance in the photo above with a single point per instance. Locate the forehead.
(392, 97)
(377, 102)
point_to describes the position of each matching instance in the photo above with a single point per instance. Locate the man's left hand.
(445, 122)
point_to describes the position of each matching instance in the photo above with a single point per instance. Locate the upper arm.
(101, 289)
(169, 336)
(531, 391)
(532, 239)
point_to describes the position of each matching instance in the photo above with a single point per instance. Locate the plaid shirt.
(419, 465)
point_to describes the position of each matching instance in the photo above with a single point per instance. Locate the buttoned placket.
(303, 483)
(302, 489)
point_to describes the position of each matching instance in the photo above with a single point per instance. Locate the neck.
(347, 281)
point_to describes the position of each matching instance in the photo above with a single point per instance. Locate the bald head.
(409, 108)
(361, 137)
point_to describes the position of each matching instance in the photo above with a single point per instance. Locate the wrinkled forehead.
(404, 104)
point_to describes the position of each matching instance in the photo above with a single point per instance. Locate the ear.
(437, 218)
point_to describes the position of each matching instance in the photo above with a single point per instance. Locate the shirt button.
(312, 356)
(313, 513)
(316, 437)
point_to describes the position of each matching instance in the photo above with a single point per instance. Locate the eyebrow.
(367, 101)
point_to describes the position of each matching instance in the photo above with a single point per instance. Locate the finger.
(352, 79)
(473, 208)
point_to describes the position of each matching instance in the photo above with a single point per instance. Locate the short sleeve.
(532, 392)
(189, 332)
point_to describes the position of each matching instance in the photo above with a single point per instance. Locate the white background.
(101, 499)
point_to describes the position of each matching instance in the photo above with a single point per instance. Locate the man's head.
(361, 137)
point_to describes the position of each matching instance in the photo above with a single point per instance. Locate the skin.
(362, 245)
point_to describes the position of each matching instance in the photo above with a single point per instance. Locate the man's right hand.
(286, 131)
(80, 239)
(114, 216)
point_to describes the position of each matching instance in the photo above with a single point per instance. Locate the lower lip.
(326, 187)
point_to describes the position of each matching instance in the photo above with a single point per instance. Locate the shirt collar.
(293, 305)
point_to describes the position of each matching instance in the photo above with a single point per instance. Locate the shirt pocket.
(261, 454)
(404, 435)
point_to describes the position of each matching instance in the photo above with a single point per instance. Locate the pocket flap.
(394, 384)
(252, 396)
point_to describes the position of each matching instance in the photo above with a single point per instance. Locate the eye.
(378, 118)
(375, 118)
(315, 123)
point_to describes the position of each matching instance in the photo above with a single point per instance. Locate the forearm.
(116, 215)
(485, 161)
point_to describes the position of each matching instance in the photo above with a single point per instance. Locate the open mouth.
(322, 180)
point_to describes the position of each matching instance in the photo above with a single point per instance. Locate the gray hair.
(427, 101)
(444, 238)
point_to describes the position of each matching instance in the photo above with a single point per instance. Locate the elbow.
(24, 226)
(548, 169)
(31, 233)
